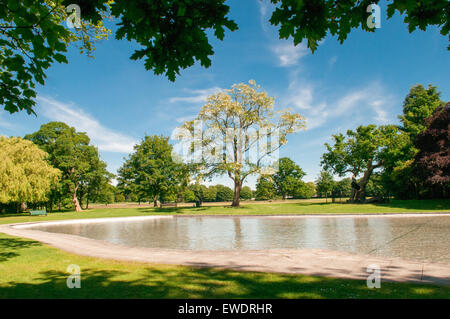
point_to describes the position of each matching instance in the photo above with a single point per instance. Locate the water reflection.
(417, 238)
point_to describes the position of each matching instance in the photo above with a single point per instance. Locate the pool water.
(423, 238)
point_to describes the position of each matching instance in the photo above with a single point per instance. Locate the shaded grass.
(307, 207)
(32, 270)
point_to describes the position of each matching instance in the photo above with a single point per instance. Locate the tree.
(324, 184)
(199, 193)
(265, 189)
(419, 105)
(224, 193)
(432, 162)
(70, 152)
(342, 188)
(25, 174)
(312, 20)
(188, 196)
(399, 177)
(246, 193)
(32, 37)
(240, 122)
(105, 194)
(360, 152)
(210, 194)
(304, 190)
(288, 176)
(151, 169)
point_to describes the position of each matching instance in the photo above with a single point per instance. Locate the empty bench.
(168, 205)
(38, 213)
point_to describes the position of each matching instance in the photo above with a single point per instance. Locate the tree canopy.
(433, 159)
(25, 174)
(360, 152)
(172, 34)
(288, 177)
(313, 20)
(70, 152)
(151, 169)
(239, 124)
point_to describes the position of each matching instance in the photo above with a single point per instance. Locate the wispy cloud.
(104, 138)
(288, 54)
(195, 96)
(369, 103)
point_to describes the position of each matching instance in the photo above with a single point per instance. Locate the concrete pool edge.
(316, 262)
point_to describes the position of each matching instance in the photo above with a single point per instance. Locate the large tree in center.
(360, 152)
(240, 134)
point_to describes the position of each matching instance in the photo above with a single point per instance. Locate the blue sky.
(363, 81)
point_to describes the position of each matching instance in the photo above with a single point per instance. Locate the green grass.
(32, 270)
(307, 207)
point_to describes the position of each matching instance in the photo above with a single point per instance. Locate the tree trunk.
(75, 201)
(237, 193)
(155, 201)
(23, 207)
(87, 202)
(361, 193)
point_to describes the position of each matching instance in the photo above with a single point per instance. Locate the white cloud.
(196, 96)
(104, 138)
(369, 103)
(288, 54)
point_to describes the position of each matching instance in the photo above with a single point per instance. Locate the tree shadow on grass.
(9, 246)
(189, 282)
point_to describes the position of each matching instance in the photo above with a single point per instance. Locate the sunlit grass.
(31, 270)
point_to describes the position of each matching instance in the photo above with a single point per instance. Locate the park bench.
(38, 213)
(168, 205)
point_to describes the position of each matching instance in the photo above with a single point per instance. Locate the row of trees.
(58, 166)
(410, 160)
(285, 183)
(53, 167)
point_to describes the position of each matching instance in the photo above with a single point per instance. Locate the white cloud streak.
(195, 96)
(104, 138)
(288, 54)
(371, 102)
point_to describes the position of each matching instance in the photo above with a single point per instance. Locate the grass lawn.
(297, 207)
(31, 270)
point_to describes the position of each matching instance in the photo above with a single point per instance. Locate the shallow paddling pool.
(413, 237)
